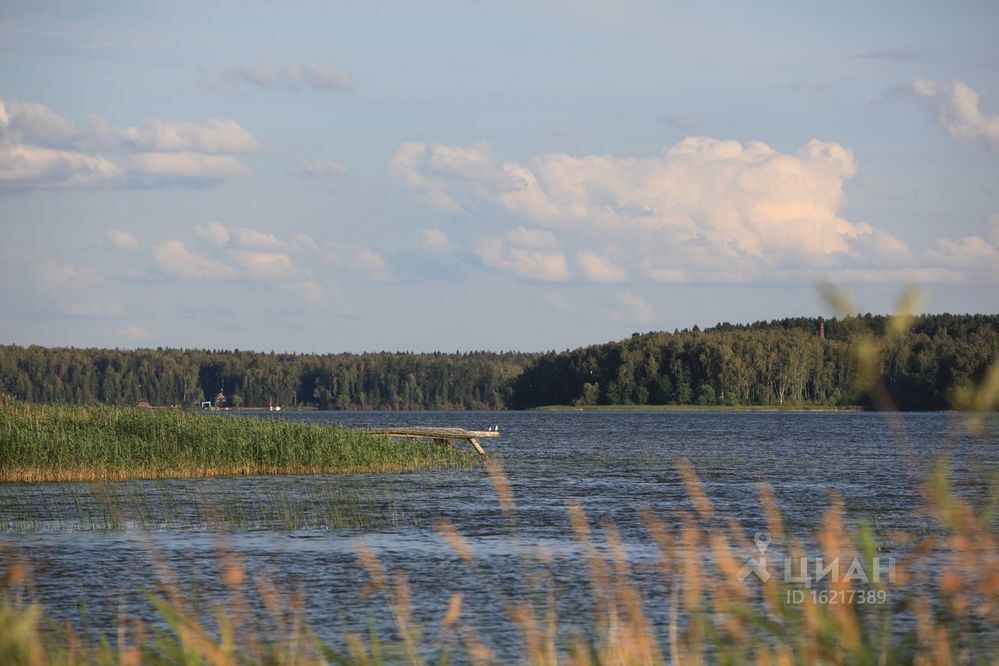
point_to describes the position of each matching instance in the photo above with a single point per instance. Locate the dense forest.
(798, 361)
(250, 379)
(782, 362)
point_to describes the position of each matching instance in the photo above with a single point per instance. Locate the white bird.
(496, 428)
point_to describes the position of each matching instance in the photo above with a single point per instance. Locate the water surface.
(301, 532)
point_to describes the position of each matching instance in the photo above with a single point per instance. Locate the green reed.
(89, 443)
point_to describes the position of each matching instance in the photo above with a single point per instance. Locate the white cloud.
(259, 240)
(967, 255)
(186, 167)
(269, 75)
(435, 241)
(957, 109)
(213, 231)
(122, 240)
(637, 308)
(41, 149)
(406, 164)
(708, 208)
(213, 136)
(34, 124)
(174, 258)
(531, 264)
(597, 268)
(24, 166)
(265, 265)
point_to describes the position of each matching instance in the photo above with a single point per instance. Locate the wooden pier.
(441, 435)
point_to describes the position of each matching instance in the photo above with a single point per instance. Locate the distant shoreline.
(696, 408)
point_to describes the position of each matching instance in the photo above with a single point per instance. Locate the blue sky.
(349, 176)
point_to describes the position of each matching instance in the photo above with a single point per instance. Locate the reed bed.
(100, 443)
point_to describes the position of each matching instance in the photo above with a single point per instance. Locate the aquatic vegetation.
(91, 443)
(163, 505)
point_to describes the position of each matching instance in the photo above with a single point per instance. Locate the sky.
(486, 175)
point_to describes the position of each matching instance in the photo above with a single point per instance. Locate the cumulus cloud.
(213, 231)
(434, 241)
(35, 124)
(259, 240)
(24, 166)
(213, 136)
(271, 75)
(41, 149)
(957, 109)
(597, 268)
(122, 240)
(408, 164)
(174, 258)
(703, 208)
(190, 168)
(967, 255)
(264, 265)
(531, 264)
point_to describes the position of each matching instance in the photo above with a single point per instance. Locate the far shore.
(697, 408)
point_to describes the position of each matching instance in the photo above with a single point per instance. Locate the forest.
(795, 361)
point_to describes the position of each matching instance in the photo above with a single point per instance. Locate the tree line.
(781, 362)
(390, 381)
(794, 361)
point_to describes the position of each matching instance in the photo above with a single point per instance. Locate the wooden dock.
(442, 435)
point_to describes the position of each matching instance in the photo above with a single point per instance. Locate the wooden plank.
(475, 444)
(438, 434)
(434, 433)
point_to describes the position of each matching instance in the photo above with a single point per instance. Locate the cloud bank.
(39, 149)
(705, 210)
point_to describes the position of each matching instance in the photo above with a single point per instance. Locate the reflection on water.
(94, 543)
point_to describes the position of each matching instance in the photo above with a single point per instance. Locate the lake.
(97, 544)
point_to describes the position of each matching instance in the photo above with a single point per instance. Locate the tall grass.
(71, 443)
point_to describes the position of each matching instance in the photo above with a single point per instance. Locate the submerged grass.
(150, 506)
(93, 443)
